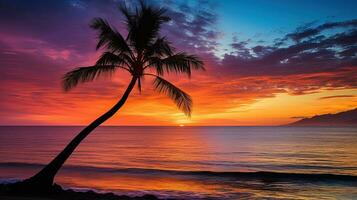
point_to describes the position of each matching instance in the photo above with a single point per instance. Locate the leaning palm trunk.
(141, 51)
(43, 180)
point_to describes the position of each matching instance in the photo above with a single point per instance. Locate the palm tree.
(142, 51)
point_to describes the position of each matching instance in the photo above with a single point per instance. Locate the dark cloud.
(323, 53)
(337, 96)
(309, 32)
(193, 27)
(298, 117)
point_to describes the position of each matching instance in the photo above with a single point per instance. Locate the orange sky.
(212, 104)
(258, 71)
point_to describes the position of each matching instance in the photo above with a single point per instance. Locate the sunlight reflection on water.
(220, 149)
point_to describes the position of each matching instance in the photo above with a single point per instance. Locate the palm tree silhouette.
(142, 50)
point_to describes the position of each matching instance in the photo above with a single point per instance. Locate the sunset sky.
(267, 62)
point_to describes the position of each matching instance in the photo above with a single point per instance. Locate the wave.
(257, 175)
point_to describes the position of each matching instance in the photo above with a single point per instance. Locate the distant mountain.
(346, 118)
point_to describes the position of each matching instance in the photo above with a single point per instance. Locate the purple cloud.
(324, 53)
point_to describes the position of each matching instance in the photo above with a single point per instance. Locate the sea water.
(192, 162)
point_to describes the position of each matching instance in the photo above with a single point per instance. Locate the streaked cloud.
(337, 96)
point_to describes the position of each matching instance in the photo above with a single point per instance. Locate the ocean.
(192, 162)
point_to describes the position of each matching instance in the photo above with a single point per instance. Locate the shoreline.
(59, 193)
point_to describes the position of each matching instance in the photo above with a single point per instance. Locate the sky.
(267, 62)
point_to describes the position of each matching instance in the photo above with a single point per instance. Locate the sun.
(181, 125)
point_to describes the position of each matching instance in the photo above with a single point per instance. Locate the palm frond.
(108, 36)
(144, 24)
(161, 47)
(156, 63)
(109, 58)
(179, 63)
(85, 74)
(181, 98)
(128, 15)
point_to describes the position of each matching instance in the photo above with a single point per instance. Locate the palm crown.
(141, 50)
